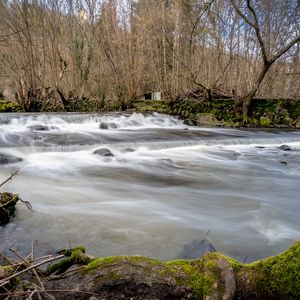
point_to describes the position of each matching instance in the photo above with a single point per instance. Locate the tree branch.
(258, 34)
(285, 49)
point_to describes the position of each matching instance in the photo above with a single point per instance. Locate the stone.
(188, 122)
(103, 152)
(285, 147)
(41, 127)
(8, 203)
(206, 119)
(105, 125)
(129, 150)
(6, 159)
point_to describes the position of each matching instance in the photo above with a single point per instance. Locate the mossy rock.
(265, 122)
(206, 119)
(8, 203)
(215, 276)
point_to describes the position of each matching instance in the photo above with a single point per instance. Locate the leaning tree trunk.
(247, 100)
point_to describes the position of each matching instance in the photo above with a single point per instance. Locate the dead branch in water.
(9, 178)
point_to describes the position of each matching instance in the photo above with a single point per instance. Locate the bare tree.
(270, 50)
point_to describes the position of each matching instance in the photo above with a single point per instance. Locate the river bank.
(266, 113)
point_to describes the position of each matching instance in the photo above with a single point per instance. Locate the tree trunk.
(247, 100)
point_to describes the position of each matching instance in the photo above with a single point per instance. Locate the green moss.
(8, 203)
(199, 282)
(112, 260)
(73, 256)
(279, 276)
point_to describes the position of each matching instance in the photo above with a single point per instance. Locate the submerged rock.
(6, 159)
(105, 125)
(129, 150)
(41, 127)
(196, 249)
(103, 152)
(285, 147)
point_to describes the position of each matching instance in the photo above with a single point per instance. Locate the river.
(163, 189)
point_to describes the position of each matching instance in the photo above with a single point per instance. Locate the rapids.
(165, 187)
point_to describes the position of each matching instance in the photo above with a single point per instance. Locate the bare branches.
(285, 49)
(2, 281)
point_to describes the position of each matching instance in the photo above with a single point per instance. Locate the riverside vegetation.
(282, 113)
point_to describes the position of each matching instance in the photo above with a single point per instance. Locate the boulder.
(8, 203)
(103, 152)
(285, 147)
(206, 119)
(188, 122)
(105, 125)
(6, 159)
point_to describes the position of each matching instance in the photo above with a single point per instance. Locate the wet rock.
(41, 127)
(6, 159)
(105, 125)
(103, 152)
(8, 203)
(188, 122)
(129, 150)
(285, 147)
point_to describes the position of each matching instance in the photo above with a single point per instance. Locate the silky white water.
(165, 187)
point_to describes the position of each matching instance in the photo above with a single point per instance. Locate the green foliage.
(8, 106)
(265, 122)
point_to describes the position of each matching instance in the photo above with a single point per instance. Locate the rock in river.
(6, 159)
(40, 127)
(285, 148)
(105, 125)
(103, 152)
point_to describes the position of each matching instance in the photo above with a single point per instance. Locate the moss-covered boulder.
(215, 276)
(206, 119)
(8, 203)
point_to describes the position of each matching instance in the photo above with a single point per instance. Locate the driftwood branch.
(31, 267)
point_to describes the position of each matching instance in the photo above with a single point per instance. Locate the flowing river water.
(165, 187)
